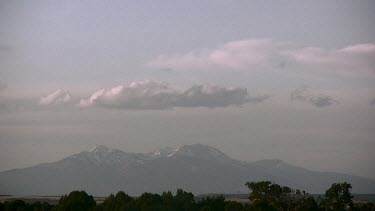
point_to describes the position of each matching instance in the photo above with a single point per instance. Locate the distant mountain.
(196, 168)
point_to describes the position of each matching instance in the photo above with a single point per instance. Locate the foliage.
(149, 202)
(184, 200)
(338, 197)
(19, 205)
(369, 206)
(270, 196)
(233, 206)
(264, 196)
(121, 201)
(215, 203)
(259, 206)
(77, 201)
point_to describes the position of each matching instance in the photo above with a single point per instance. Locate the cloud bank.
(359, 57)
(152, 95)
(136, 95)
(257, 53)
(233, 55)
(303, 94)
(59, 96)
(212, 96)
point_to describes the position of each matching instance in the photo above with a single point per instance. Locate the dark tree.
(215, 203)
(121, 201)
(76, 200)
(266, 192)
(233, 206)
(15, 205)
(369, 206)
(259, 206)
(338, 197)
(41, 206)
(168, 201)
(149, 202)
(266, 195)
(307, 203)
(184, 200)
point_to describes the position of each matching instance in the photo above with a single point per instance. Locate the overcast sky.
(292, 80)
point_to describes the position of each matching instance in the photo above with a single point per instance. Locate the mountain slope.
(197, 168)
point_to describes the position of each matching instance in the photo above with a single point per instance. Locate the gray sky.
(293, 80)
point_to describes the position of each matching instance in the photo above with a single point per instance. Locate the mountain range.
(197, 168)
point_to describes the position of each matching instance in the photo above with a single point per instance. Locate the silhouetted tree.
(259, 206)
(77, 201)
(266, 195)
(121, 201)
(369, 206)
(19, 205)
(149, 202)
(307, 203)
(266, 192)
(2, 207)
(212, 203)
(233, 206)
(169, 203)
(184, 200)
(41, 206)
(15, 205)
(338, 197)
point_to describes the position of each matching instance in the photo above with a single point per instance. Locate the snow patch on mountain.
(161, 153)
(200, 151)
(103, 155)
(174, 152)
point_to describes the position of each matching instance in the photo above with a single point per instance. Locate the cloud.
(264, 53)
(359, 57)
(322, 101)
(59, 96)
(212, 96)
(152, 95)
(258, 99)
(303, 94)
(137, 95)
(233, 55)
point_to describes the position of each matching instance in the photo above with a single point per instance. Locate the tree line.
(264, 196)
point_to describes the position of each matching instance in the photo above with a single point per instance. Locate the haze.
(290, 80)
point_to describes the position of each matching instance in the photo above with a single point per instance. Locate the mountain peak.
(163, 152)
(272, 163)
(100, 148)
(200, 151)
(189, 166)
(102, 154)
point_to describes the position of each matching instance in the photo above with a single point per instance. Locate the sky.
(291, 80)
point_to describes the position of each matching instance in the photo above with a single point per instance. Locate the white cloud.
(234, 55)
(359, 57)
(59, 96)
(303, 94)
(159, 95)
(260, 53)
(136, 95)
